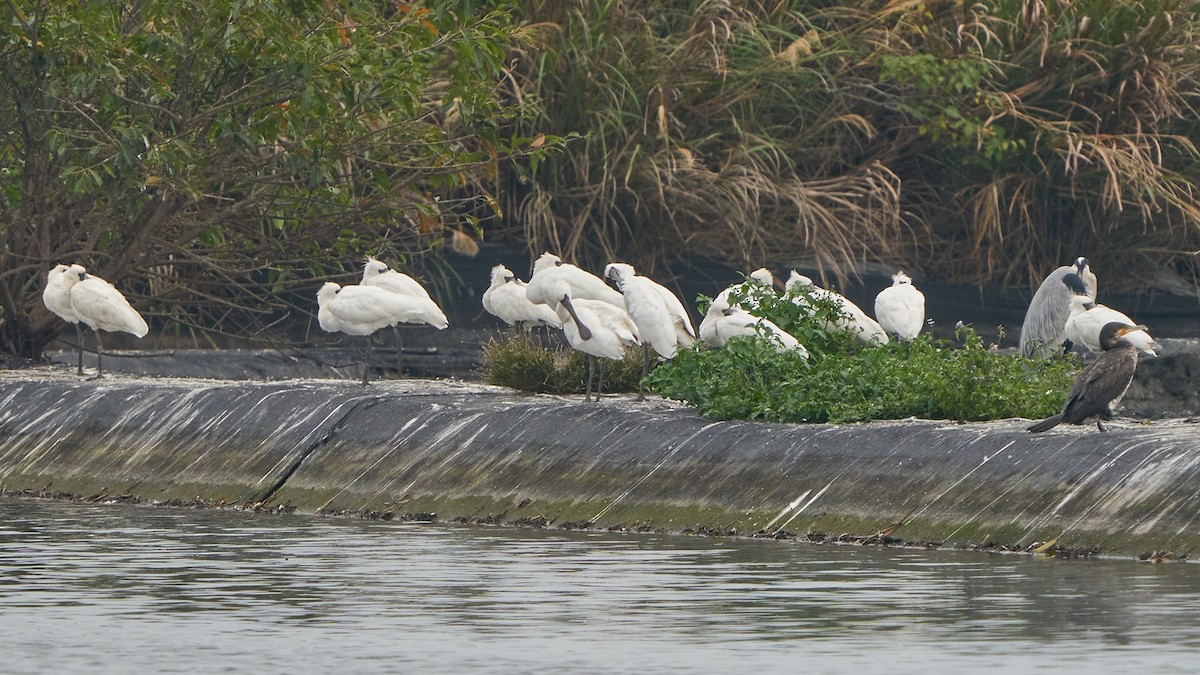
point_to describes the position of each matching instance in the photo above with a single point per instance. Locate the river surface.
(119, 588)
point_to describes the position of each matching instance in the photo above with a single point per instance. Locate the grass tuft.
(523, 362)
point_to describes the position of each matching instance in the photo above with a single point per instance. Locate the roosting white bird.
(555, 282)
(57, 298)
(377, 273)
(722, 323)
(100, 306)
(660, 316)
(610, 330)
(853, 319)
(506, 300)
(1044, 327)
(552, 279)
(900, 308)
(1088, 319)
(759, 281)
(362, 310)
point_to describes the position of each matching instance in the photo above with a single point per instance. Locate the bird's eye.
(558, 263)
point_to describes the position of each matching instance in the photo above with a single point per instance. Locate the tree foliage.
(977, 142)
(209, 155)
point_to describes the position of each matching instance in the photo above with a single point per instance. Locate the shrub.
(928, 378)
(521, 362)
(846, 381)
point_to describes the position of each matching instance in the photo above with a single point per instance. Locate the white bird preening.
(1088, 319)
(610, 331)
(853, 319)
(57, 298)
(553, 279)
(506, 300)
(362, 310)
(661, 319)
(900, 308)
(376, 273)
(1044, 328)
(100, 306)
(722, 323)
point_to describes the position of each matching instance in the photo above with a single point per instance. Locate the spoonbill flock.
(605, 322)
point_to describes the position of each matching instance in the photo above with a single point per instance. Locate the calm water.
(118, 588)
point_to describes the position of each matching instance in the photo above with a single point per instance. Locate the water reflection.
(112, 588)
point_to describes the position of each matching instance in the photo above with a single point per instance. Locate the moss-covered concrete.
(482, 454)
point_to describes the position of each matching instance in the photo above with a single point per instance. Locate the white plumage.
(362, 310)
(661, 318)
(99, 305)
(378, 274)
(552, 279)
(57, 298)
(724, 323)
(506, 300)
(855, 321)
(1088, 319)
(900, 308)
(609, 331)
(760, 281)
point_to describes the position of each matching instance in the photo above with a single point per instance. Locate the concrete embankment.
(469, 452)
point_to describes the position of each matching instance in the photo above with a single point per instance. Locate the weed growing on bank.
(528, 364)
(844, 380)
(927, 378)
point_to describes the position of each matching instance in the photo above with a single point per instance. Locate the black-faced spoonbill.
(552, 279)
(506, 300)
(661, 319)
(722, 323)
(854, 320)
(900, 308)
(100, 306)
(377, 273)
(610, 330)
(1102, 384)
(362, 310)
(1043, 330)
(57, 298)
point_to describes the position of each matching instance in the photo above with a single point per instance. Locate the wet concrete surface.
(456, 450)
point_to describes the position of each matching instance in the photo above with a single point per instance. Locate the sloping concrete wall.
(477, 453)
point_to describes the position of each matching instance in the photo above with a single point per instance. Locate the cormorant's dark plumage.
(1101, 384)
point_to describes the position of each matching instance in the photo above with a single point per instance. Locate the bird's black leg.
(79, 343)
(587, 391)
(99, 356)
(600, 382)
(367, 362)
(645, 372)
(399, 351)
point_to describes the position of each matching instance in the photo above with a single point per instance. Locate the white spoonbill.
(853, 319)
(660, 316)
(723, 323)
(101, 306)
(377, 273)
(552, 278)
(900, 308)
(506, 300)
(759, 281)
(57, 298)
(1088, 319)
(362, 310)
(1043, 330)
(610, 330)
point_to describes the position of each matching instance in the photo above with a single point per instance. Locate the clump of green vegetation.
(845, 381)
(521, 362)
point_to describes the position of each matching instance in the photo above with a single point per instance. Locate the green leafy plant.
(927, 378)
